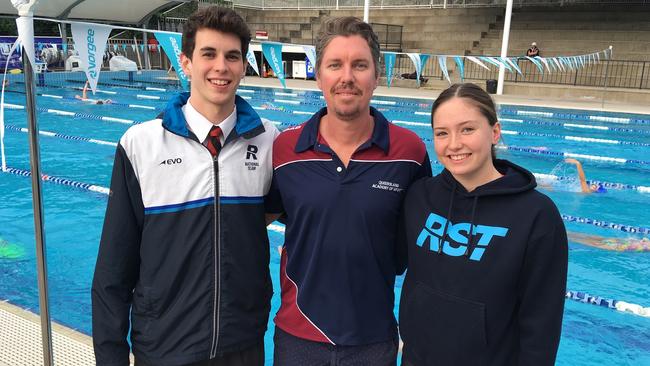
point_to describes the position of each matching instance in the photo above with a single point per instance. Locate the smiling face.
(347, 77)
(215, 69)
(463, 140)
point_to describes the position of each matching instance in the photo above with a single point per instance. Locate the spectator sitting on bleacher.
(533, 50)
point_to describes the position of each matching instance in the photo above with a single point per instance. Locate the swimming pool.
(534, 137)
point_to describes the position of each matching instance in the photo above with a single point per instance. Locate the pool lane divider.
(621, 306)
(606, 224)
(574, 116)
(61, 181)
(576, 138)
(10, 127)
(606, 159)
(76, 114)
(112, 103)
(574, 125)
(609, 185)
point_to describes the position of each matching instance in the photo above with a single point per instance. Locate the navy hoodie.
(494, 297)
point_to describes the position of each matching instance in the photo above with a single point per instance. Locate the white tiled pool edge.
(20, 340)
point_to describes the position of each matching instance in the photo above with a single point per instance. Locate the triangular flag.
(477, 61)
(26, 37)
(273, 54)
(514, 65)
(460, 66)
(310, 51)
(134, 47)
(389, 60)
(141, 48)
(536, 62)
(171, 44)
(493, 61)
(90, 41)
(419, 60)
(506, 64)
(250, 57)
(442, 61)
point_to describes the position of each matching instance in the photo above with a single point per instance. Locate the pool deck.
(20, 341)
(424, 93)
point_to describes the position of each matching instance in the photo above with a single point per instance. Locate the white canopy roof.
(111, 11)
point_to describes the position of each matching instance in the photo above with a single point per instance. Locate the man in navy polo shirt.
(340, 179)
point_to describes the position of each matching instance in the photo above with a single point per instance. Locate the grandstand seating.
(574, 31)
(477, 31)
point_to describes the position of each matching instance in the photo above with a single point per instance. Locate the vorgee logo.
(92, 63)
(276, 62)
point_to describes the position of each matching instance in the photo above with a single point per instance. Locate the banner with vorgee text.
(273, 54)
(90, 42)
(171, 44)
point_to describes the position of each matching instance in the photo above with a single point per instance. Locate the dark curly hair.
(219, 19)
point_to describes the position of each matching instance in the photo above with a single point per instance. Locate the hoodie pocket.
(441, 329)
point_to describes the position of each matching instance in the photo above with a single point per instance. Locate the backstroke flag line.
(90, 42)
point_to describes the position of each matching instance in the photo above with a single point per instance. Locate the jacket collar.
(309, 134)
(248, 121)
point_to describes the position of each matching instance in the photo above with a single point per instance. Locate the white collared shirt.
(201, 126)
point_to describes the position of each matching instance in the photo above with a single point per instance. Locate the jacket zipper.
(217, 256)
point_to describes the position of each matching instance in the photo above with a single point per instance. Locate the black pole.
(37, 200)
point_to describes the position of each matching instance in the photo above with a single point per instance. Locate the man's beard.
(347, 115)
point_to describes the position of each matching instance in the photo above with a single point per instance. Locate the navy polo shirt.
(338, 263)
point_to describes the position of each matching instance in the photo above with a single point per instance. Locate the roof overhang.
(99, 11)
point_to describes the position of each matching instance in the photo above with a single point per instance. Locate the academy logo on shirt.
(388, 186)
(458, 237)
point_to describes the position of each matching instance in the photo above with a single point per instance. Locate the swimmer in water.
(84, 97)
(613, 244)
(584, 186)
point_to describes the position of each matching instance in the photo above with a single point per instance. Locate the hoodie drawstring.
(449, 210)
(470, 243)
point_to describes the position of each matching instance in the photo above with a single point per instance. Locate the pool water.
(74, 217)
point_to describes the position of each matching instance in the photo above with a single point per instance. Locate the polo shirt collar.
(309, 135)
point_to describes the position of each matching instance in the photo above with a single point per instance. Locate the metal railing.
(404, 65)
(606, 73)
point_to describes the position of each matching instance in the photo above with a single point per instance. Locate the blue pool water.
(73, 217)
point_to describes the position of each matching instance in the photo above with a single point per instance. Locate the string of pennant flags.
(90, 41)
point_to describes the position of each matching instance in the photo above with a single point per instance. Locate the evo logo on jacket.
(458, 234)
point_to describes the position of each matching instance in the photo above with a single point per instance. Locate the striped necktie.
(212, 142)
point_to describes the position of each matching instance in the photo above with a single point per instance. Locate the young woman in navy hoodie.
(487, 253)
